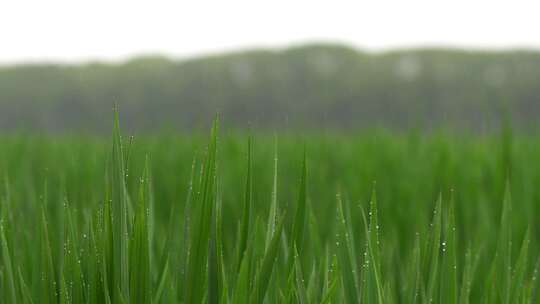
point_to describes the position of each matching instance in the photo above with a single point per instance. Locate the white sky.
(72, 30)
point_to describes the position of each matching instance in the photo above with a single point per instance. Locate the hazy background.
(339, 65)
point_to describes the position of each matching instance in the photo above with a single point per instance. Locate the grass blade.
(297, 234)
(268, 263)
(272, 215)
(432, 261)
(120, 278)
(373, 288)
(300, 285)
(197, 260)
(246, 210)
(448, 287)
(48, 289)
(140, 280)
(520, 268)
(347, 255)
(9, 295)
(241, 290)
(72, 274)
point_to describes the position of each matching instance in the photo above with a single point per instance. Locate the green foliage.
(245, 232)
(319, 85)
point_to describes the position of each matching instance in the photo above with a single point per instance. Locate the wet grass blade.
(120, 238)
(535, 283)
(347, 255)
(301, 293)
(504, 251)
(272, 215)
(214, 254)
(314, 284)
(432, 261)
(48, 288)
(197, 260)
(331, 280)
(448, 287)
(241, 290)
(466, 281)
(221, 269)
(330, 292)
(373, 287)
(72, 273)
(246, 209)
(520, 268)
(10, 294)
(140, 280)
(297, 234)
(498, 286)
(413, 276)
(186, 235)
(161, 283)
(95, 285)
(26, 294)
(268, 263)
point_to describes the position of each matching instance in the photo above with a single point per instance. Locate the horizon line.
(172, 56)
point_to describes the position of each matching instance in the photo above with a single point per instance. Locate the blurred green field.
(71, 232)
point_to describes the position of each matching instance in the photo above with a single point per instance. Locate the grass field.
(373, 217)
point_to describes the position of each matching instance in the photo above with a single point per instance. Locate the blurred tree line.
(313, 86)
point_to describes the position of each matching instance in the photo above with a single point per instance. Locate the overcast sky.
(71, 31)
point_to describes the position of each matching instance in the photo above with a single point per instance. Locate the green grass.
(265, 219)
